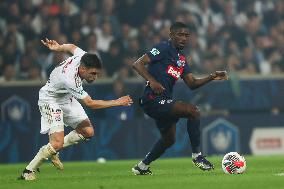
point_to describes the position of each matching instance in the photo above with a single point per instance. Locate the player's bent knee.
(88, 132)
(57, 145)
(86, 129)
(56, 140)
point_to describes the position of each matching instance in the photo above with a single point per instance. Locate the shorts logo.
(169, 101)
(162, 102)
(165, 101)
(57, 118)
(57, 111)
(174, 72)
(57, 114)
(155, 51)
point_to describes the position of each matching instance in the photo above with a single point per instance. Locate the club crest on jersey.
(174, 72)
(181, 60)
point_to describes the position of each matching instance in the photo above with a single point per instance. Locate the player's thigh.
(184, 110)
(167, 130)
(166, 126)
(51, 118)
(159, 109)
(74, 114)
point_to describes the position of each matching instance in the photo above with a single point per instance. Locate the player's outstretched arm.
(53, 45)
(194, 83)
(99, 104)
(139, 66)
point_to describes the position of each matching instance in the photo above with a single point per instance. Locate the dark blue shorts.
(160, 110)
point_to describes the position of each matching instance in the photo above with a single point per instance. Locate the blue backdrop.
(127, 133)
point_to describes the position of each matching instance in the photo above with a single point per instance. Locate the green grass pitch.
(168, 174)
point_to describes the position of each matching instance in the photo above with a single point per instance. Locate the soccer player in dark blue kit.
(166, 63)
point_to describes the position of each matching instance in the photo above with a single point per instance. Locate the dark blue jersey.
(166, 66)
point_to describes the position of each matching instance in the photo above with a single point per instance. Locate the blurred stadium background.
(245, 37)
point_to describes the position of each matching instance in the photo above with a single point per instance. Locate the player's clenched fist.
(219, 75)
(125, 101)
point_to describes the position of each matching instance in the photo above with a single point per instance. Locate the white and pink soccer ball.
(233, 163)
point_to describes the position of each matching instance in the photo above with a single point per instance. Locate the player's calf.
(45, 152)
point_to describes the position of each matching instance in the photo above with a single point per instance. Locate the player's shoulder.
(160, 47)
(163, 45)
(79, 52)
(69, 68)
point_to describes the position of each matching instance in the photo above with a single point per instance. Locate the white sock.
(195, 155)
(143, 166)
(72, 138)
(44, 152)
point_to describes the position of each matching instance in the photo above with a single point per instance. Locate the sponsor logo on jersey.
(78, 81)
(174, 72)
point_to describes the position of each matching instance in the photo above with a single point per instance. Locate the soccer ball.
(233, 163)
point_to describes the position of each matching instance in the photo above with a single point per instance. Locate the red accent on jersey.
(174, 72)
(181, 58)
(66, 65)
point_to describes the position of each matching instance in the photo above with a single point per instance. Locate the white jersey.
(64, 82)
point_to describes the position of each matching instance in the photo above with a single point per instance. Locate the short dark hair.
(91, 61)
(177, 25)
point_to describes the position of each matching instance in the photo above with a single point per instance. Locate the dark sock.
(158, 149)
(193, 130)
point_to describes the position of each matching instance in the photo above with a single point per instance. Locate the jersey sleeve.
(79, 52)
(74, 86)
(157, 53)
(186, 70)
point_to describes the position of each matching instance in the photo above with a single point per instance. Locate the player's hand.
(51, 44)
(157, 87)
(124, 101)
(219, 75)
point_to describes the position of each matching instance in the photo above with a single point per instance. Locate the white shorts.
(55, 116)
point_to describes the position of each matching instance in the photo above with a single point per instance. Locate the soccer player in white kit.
(59, 106)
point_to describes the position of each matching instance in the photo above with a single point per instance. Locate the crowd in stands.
(242, 36)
